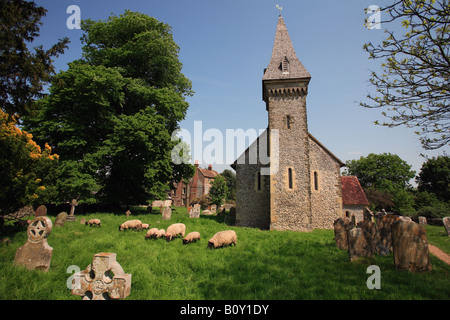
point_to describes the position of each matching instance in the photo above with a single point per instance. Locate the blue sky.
(225, 46)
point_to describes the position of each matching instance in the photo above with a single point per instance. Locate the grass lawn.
(264, 264)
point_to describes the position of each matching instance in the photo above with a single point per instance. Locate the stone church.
(303, 190)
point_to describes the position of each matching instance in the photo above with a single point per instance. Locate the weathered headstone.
(359, 244)
(36, 253)
(195, 211)
(409, 240)
(83, 221)
(446, 222)
(61, 219)
(342, 226)
(403, 218)
(384, 245)
(167, 213)
(97, 282)
(422, 220)
(371, 229)
(128, 213)
(207, 212)
(41, 211)
(213, 208)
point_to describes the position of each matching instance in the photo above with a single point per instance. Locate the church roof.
(283, 52)
(352, 193)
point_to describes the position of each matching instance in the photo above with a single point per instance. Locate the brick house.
(300, 187)
(197, 186)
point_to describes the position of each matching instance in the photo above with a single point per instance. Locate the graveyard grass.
(264, 264)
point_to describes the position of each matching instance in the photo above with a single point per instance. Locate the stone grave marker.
(342, 227)
(446, 222)
(128, 213)
(61, 219)
(167, 213)
(384, 245)
(195, 211)
(41, 211)
(83, 221)
(213, 208)
(71, 216)
(359, 244)
(422, 220)
(410, 246)
(36, 253)
(97, 283)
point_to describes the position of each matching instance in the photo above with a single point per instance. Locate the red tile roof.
(208, 173)
(352, 193)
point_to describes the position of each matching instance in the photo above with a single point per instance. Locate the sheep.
(145, 226)
(151, 233)
(191, 237)
(223, 238)
(160, 233)
(175, 230)
(94, 222)
(131, 224)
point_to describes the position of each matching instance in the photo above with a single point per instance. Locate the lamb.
(223, 238)
(131, 224)
(145, 226)
(151, 233)
(175, 230)
(191, 237)
(92, 222)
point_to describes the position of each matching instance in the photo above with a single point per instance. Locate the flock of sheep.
(220, 239)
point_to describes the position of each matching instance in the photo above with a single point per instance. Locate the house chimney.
(196, 163)
(210, 167)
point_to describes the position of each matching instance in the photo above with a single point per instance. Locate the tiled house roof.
(207, 173)
(352, 193)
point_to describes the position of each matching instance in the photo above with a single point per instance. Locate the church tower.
(285, 86)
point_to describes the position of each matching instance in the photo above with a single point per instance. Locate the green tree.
(412, 88)
(434, 177)
(23, 72)
(111, 115)
(230, 179)
(218, 190)
(385, 177)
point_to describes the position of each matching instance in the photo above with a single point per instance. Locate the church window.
(290, 178)
(316, 181)
(285, 65)
(259, 181)
(288, 122)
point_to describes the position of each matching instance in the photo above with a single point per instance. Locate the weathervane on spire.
(279, 8)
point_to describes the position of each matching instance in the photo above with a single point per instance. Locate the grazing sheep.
(151, 233)
(223, 238)
(131, 224)
(160, 233)
(92, 222)
(145, 226)
(175, 230)
(191, 237)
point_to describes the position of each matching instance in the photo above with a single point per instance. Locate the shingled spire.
(284, 63)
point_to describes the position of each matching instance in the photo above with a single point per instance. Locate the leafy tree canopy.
(434, 177)
(111, 115)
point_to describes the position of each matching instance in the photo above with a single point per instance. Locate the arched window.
(290, 182)
(259, 181)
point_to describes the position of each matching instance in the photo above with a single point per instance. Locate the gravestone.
(446, 222)
(422, 220)
(83, 221)
(71, 216)
(195, 211)
(359, 244)
(410, 246)
(213, 208)
(103, 279)
(61, 219)
(342, 227)
(207, 212)
(384, 245)
(36, 253)
(372, 231)
(128, 213)
(167, 213)
(41, 211)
